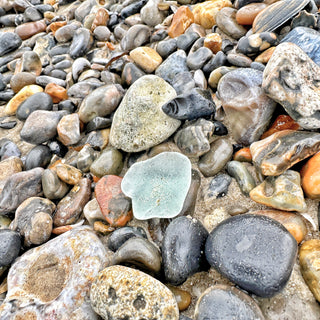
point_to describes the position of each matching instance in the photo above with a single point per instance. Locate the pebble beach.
(159, 160)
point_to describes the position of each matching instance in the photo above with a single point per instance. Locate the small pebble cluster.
(159, 159)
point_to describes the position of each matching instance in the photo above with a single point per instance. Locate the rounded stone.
(146, 58)
(222, 302)
(247, 14)
(310, 177)
(27, 30)
(182, 19)
(9, 41)
(10, 245)
(136, 36)
(39, 156)
(68, 173)
(118, 292)
(102, 33)
(255, 252)
(21, 79)
(56, 92)
(68, 129)
(53, 187)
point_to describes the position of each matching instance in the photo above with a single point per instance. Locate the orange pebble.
(265, 56)
(101, 18)
(182, 19)
(213, 41)
(56, 92)
(247, 14)
(283, 122)
(54, 26)
(310, 177)
(243, 155)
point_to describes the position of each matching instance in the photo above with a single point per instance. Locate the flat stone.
(255, 252)
(9, 41)
(10, 246)
(283, 192)
(291, 79)
(280, 151)
(117, 292)
(222, 302)
(58, 275)
(139, 122)
(158, 186)
(27, 30)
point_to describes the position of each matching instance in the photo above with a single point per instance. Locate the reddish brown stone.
(283, 122)
(56, 92)
(101, 18)
(27, 30)
(243, 155)
(114, 205)
(213, 41)
(182, 19)
(247, 14)
(310, 177)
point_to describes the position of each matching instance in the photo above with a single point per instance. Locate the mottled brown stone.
(68, 174)
(101, 18)
(56, 92)
(182, 19)
(27, 30)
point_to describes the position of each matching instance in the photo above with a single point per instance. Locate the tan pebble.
(22, 79)
(68, 174)
(101, 18)
(103, 228)
(54, 26)
(265, 56)
(146, 58)
(69, 129)
(183, 297)
(8, 167)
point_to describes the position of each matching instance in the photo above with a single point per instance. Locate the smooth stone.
(222, 302)
(309, 255)
(98, 123)
(70, 207)
(85, 158)
(21, 79)
(238, 59)
(65, 33)
(102, 228)
(283, 192)
(30, 62)
(68, 129)
(213, 161)
(81, 43)
(213, 41)
(114, 205)
(19, 187)
(118, 237)
(56, 92)
(146, 58)
(9, 41)
(67, 105)
(102, 33)
(255, 252)
(92, 212)
(110, 161)
(79, 65)
(132, 8)
(246, 14)
(241, 3)
(139, 252)
(53, 187)
(8, 167)
(68, 173)
(41, 126)
(81, 89)
(57, 148)
(131, 73)
(45, 80)
(57, 274)
(293, 222)
(182, 252)
(247, 107)
(243, 155)
(173, 65)
(205, 13)
(216, 75)
(195, 104)
(219, 186)
(183, 83)
(158, 186)
(100, 102)
(9, 149)
(239, 171)
(135, 37)
(98, 140)
(140, 114)
(167, 47)
(294, 85)
(100, 19)
(20, 97)
(38, 101)
(226, 22)
(33, 220)
(280, 151)
(182, 297)
(181, 20)
(217, 61)
(162, 147)
(43, 46)
(39, 156)
(194, 140)
(150, 13)
(310, 176)
(10, 246)
(117, 292)
(199, 58)
(27, 30)
(304, 19)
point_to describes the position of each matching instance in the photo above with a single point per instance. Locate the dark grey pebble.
(199, 58)
(166, 47)
(10, 245)
(255, 252)
(132, 8)
(131, 73)
(67, 105)
(186, 40)
(44, 80)
(7, 124)
(218, 186)
(56, 147)
(121, 235)
(38, 156)
(220, 59)
(182, 252)
(81, 43)
(2, 83)
(9, 149)
(9, 41)
(32, 14)
(98, 123)
(135, 37)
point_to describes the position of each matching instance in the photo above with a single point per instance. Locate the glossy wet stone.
(71, 206)
(99, 140)
(309, 255)
(205, 13)
(41, 126)
(9, 41)
(146, 58)
(247, 107)
(117, 292)
(33, 220)
(100, 102)
(110, 161)
(182, 19)
(139, 122)
(38, 156)
(121, 235)
(191, 105)
(85, 158)
(294, 85)
(158, 186)
(139, 252)
(283, 192)
(38, 101)
(81, 43)
(20, 97)
(68, 173)
(114, 205)
(218, 186)
(19, 187)
(10, 246)
(8, 167)
(222, 302)
(53, 187)
(213, 161)
(280, 151)
(182, 252)
(135, 37)
(310, 176)
(293, 222)
(243, 155)
(60, 270)
(182, 297)
(257, 253)
(246, 14)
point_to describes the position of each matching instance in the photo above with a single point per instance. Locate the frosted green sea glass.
(158, 186)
